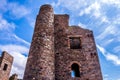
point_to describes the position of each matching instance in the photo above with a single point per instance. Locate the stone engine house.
(61, 52)
(6, 61)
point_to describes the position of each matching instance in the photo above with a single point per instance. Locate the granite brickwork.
(51, 56)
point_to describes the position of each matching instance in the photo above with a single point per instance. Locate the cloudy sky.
(17, 19)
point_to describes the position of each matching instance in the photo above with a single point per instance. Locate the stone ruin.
(6, 61)
(61, 52)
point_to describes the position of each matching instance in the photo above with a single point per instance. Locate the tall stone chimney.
(40, 64)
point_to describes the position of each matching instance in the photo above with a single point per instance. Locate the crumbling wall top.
(6, 56)
(45, 8)
(78, 27)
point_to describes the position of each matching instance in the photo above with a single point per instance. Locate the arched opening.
(75, 70)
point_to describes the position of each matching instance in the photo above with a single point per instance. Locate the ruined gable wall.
(86, 57)
(7, 60)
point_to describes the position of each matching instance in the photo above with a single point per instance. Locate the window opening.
(5, 67)
(75, 43)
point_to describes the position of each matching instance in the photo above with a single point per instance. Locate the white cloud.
(17, 52)
(118, 79)
(10, 37)
(93, 9)
(112, 2)
(116, 19)
(109, 30)
(31, 21)
(7, 34)
(117, 49)
(107, 42)
(14, 48)
(101, 49)
(106, 77)
(82, 25)
(82, 6)
(115, 59)
(72, 5)
(111, 57)
(4, 25)
(104, 19)
(7, 29)
(20, 40)
(18, 10)
(18, 64)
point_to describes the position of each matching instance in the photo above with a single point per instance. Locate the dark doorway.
(75, 70)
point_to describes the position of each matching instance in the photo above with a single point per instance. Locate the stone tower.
(40, 65)
(61, 52)
(6, 61)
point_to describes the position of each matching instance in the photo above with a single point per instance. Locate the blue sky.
(17, 19)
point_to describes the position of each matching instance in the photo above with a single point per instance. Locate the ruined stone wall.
(86, 57)
(51, 56)
(60, 27)
(5, 66)
(90, 52)
(40, 64)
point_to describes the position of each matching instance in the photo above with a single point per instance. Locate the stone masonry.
(6, 61)
(61, 52)
(14, 77)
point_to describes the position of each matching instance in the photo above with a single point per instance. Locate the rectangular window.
(5, 67)
(75, 42)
